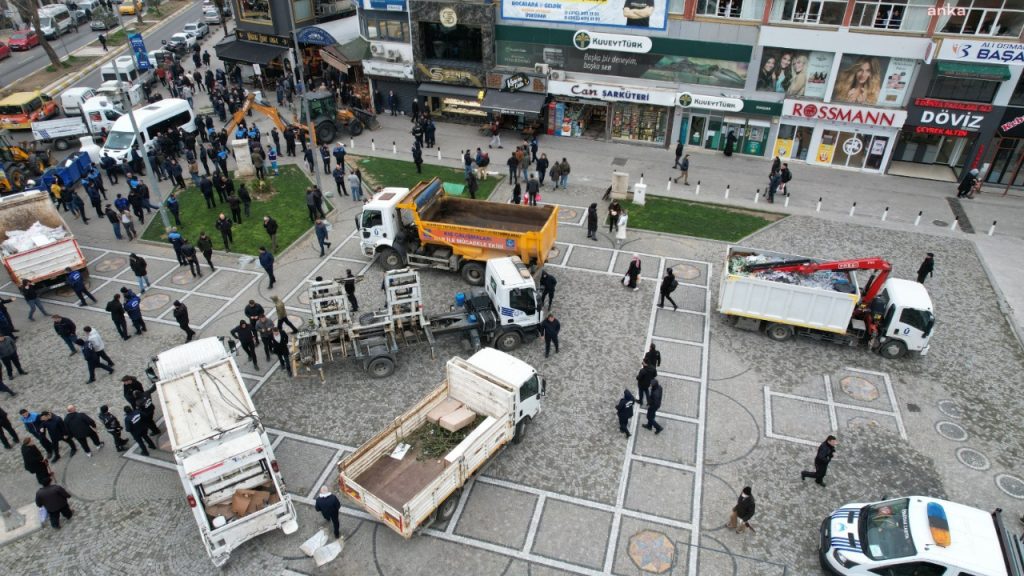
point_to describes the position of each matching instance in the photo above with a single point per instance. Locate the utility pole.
(305, 101)
(154, 184)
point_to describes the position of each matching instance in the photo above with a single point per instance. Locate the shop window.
(464, 43)
(303, 10)
(639, 122)
(969, 89)
(1003, 18)
(902, 15)
(742, 9)
(825, 12)
(255, 11)
(675, 6)
(386, 29)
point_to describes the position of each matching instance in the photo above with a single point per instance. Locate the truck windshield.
(885, 530)
(523, 299)
(371, 218)
(923, 320)
(120, 140)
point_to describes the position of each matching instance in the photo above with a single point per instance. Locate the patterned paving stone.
(497, 515)
(624, 563)
(301, 464)
(674, 499)
(676, 443)
(559, 535)
(689, 327)
(680, 397)
(799, 419)
(590, 258)
(681, 359)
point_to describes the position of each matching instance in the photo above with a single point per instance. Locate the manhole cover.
(951, 409)
(862, 421)
(972, 459)
(652, 551)
(686, 271)
(568, 214)
(110, 264)
(859, 388)
(942, 223)
(154, 302)
(1012, 485)
(951, 431)
(303, 298)
(182, 277)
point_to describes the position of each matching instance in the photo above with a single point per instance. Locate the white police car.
(918, 536)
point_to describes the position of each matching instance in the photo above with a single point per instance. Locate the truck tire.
(521, 427)
(355, 127)
(390, 259)
(508, 341)
(779, 332)
(893, 349)
(447, 508)
(325, 131)
(473, 273)
(381, 367)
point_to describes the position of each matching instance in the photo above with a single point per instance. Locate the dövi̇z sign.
(945, 118)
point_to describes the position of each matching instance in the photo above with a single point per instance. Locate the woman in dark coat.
(34, 461)
(730, 143)
(592, 221)
(633, 273)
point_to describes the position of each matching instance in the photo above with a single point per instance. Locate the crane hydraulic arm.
(809, 267)
(250, 103)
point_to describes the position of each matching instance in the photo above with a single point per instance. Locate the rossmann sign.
(846, 114)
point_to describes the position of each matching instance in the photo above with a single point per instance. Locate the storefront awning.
(433, 89)
(998, 72)
(249, 52)
(329, 33)
(513, 102)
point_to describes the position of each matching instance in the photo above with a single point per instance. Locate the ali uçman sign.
(843, 113)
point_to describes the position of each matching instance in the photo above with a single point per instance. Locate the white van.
(101, 112)
(112, 89)
(158, 117)
(126, 71)
(72, 98)
(918, 535)
(54, 20)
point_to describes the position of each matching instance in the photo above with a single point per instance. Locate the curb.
(60, 85)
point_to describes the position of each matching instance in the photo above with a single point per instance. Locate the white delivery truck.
(72, 98)
(35, 242)
(62, 132)
(918, 536)
(490, 398)
(224, 457)
(123, 68)
(100, 112)
(113, 89)
(785, 295)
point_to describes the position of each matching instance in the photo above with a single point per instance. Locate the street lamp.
(154, 185)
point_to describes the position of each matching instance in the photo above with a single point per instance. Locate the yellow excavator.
(18, 164)
(252, 104)
(327, 118)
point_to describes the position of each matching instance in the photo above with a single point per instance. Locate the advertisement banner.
(797, 73)
(612, 93)
(138, 48)
(393, 5)
(783, 148)
(977, 51)
(860, 80)
(636, 14)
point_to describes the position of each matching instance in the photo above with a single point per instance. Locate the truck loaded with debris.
(785, 295)
(412, 472)
(35, 241)
(224, 457)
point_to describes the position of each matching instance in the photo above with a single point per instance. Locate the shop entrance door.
(851, 150)
(698, 124)
(738, 130)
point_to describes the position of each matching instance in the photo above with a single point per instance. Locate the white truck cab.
(918, 536)
(112, 90)
(907, 316)
(100, 112)
(512, 291)
(72, 98)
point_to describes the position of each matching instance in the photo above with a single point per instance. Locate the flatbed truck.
(48, 258)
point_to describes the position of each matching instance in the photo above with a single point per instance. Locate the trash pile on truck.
(245, 501)
(837, 280)
(36, 236)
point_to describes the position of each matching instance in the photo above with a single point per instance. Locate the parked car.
(103, 19)
(197, 29)
(210, 16)
(5, 51)
(209, 5)
(79, 16)
(129, 7)
(23, 40)
(89, 6)
(180, 42)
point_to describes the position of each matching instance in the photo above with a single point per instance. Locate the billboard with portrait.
(637, 15)
(872, 80)
(796, 73)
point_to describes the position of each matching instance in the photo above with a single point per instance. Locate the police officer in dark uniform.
(143, 402)
(653, 404)
(113, 427)
(643, 381)
(133, 423)
(624, 410)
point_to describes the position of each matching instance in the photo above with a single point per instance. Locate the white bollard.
(992, 228)
(955, 223)
(818, 209)
(641, 177)
(885, 214)
(757, 194)
(669, 185)
(697, 190)
(786, 203)
(853, 209)
(373, 145)
(918, 219)
(438, 153)
(351, 142)
(394, 147)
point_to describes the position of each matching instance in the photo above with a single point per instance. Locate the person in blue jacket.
(76, 282)
(131, 307)
(267, 262)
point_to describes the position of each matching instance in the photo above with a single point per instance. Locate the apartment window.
(743, 9)
(902, 15)
(969, 89)
(824, 12)
(459, 42)
(254, 11)
(385, 29)
(1004, 18)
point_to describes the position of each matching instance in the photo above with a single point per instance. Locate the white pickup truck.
(225, 460)
(392, 478)
(38, 253)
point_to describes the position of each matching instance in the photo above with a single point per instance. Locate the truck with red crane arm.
(785, 296)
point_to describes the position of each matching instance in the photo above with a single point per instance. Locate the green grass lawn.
(287, 206)
(387, 172)
(661, 214)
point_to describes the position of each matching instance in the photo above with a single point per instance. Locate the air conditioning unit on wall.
(541, 69)
(556, 75)
(377, 49)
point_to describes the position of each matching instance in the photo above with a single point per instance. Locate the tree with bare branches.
(27, 10)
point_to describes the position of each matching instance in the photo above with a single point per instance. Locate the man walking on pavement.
(279, 345)
(653, 405)
(320, 229)
(742, 512)
(113, 427)
(181, 316)
(34, 461)
(82, 428)
(133, 424)
(679, 154)
(9, 356)
(547, 285)
(205, 245)
(57, 431)
(131, 307)
(684, 171)
(350, 289)
(6, 428)
(329, 506)
(247, 339)
(550, 328)
(270, 225)
(282, 314)
(139, 268)
(624, 410)
(668, 286)
(55, 499)
(116, 311)
(188, 252)
(95, 341)
(66, 329)
(644, 377)
(92, 360)
(76, 282)
(927, 268)
(821, 461)
(224, 225)
(267, 262)
(31, 295)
